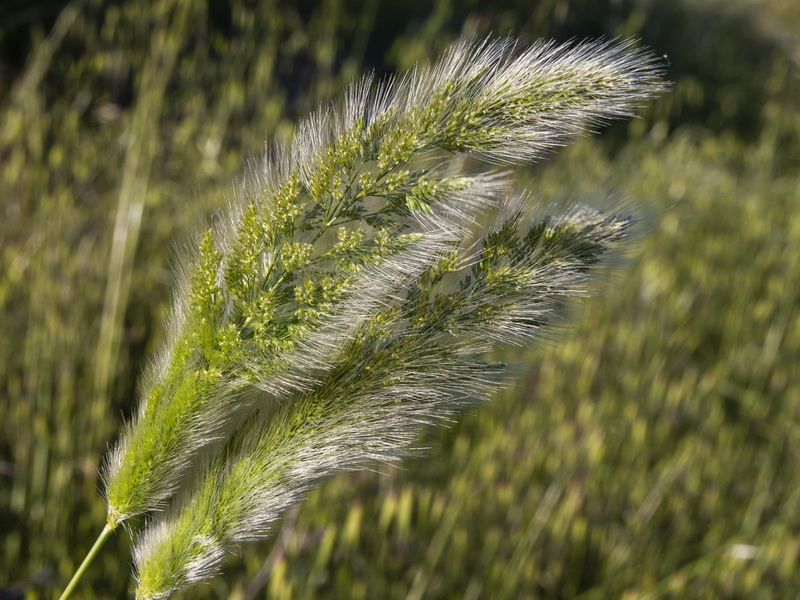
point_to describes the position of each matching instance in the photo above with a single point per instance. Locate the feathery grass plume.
(319, 295)
(358, 186)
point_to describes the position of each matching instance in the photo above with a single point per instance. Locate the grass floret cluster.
(345, 299)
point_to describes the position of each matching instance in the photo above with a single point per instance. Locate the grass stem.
(101, 539)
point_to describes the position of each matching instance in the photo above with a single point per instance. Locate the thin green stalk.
(101, 539)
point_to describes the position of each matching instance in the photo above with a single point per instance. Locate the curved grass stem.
(101, 539)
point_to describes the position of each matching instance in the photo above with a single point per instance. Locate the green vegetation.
(652, 453)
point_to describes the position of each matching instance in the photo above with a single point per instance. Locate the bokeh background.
(653, 452)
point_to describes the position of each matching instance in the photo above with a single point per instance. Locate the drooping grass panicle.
(341, 294)
(357, 185)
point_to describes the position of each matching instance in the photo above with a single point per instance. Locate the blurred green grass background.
(652, 453)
